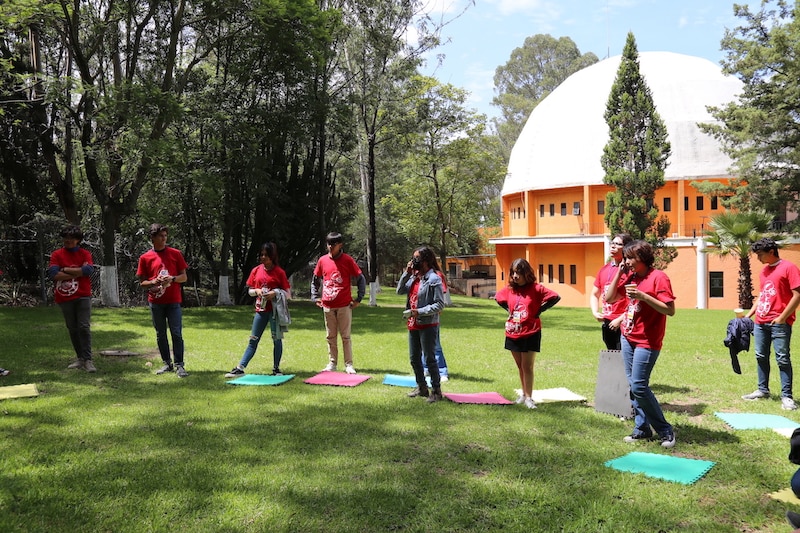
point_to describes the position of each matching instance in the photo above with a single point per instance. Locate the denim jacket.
(430, 298)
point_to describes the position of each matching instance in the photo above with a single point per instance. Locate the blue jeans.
(172, 314)
(260, 321)
(422, 343)
(77, 315)
(441, 362)
(780, 337)
(639, 363)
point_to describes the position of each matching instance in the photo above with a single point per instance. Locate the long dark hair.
(523, 268)
(427, 255)
(270, 249)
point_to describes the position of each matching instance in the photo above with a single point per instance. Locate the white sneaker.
(443, 378)
(755, 395)
(349, 369)
(330, 368)
(787, 404)
(520, 396)
(529, 403)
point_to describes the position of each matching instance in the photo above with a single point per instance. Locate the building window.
(561, 273)
(552, 210)
(715, 285)
(714, 205)
(573, 274)
(576, 208)
(685, 203)
(563, 209)
(667, 204)
(699, 201)
(549, 273)
(601, 207)
(541, 210)
(541, 273)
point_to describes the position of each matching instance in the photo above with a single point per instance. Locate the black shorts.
(531, 343)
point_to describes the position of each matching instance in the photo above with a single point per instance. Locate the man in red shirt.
(160, 271)
(602, 310)
(70, 268)
(332, 277)
(774, 315)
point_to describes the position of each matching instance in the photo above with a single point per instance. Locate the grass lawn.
(126, 450)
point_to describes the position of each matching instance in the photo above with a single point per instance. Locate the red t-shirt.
(71, 289)
(152, 263)
(643, 326)
(263, 278)
(336, 274)
(777, 284)
(602, 282)
(524, 304)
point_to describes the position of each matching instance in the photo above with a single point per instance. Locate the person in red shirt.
(264, 281)
(650, 301)
(774, 314)
(160, 271)
(610, 314)
(525, 300)
(331, 290)
(70, 268)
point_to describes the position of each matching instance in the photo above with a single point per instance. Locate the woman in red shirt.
(263, 281)
(525, 300)
(650, 301)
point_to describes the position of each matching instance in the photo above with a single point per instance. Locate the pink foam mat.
(341, 379)
(478, 397)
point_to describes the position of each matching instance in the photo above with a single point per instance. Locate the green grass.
(126, 450)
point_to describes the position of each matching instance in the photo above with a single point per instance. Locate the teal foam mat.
(756, 421)
(667, 467)
(260, 379)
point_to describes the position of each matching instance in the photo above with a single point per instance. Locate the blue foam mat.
(667, 467)
(756, 421)
(403, 381)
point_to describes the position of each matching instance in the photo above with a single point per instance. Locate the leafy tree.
(635, 157)
(731, 234)
(533, 71)
(378, 59)
(440, 199)
(760, 131)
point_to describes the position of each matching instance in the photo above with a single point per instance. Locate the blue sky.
(485, 35)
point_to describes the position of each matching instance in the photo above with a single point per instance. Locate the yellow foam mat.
(18, 391)
(785, 495)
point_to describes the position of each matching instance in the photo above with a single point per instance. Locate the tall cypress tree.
(635, 157)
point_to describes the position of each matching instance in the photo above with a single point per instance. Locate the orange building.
(553, 198)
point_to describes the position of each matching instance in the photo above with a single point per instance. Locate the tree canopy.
(532, 72)
(760, 131)
(635, 157)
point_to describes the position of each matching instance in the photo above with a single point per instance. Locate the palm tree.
(732, 233)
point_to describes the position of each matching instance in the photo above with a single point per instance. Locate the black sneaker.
(164, 369)
(635, 437)
(793, 518)
(236, 372)
(668, 441)
(276, 372)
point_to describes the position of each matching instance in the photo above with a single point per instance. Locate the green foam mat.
(667, 467)
(260, 379)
